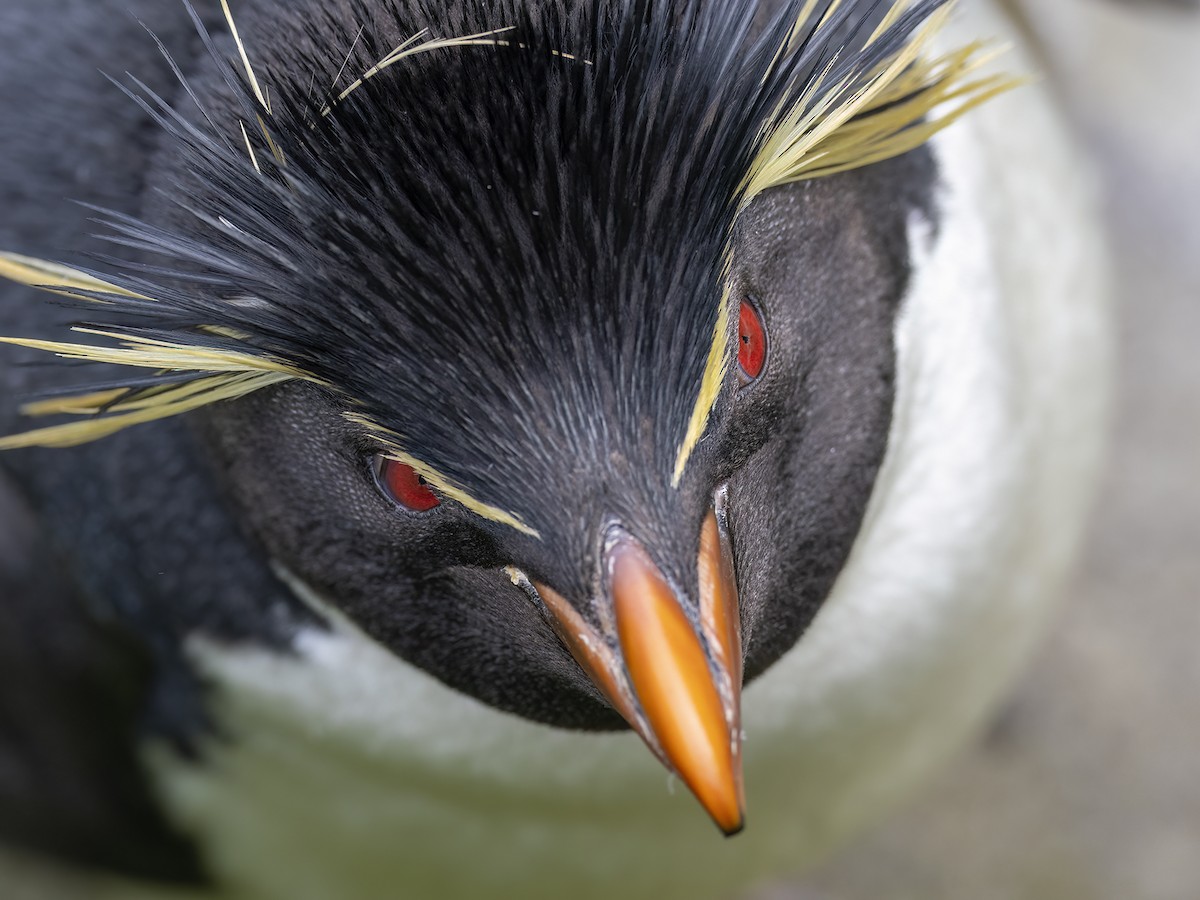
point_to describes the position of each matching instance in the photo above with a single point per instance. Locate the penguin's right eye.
(752, 344)
(401, 484)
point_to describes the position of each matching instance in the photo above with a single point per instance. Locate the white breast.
(349, 767)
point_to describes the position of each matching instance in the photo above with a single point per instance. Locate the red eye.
(752, 343)
(404, 485)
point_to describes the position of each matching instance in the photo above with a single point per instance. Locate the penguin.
(459, 404)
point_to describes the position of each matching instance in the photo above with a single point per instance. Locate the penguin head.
(785, 467)
(547, 359)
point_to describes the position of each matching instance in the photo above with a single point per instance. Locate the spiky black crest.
(534, 224)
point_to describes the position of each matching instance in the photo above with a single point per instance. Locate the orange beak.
(675, 677)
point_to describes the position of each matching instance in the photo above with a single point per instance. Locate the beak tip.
(728, 817)
(735, 829)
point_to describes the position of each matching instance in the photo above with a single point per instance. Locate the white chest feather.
(348, 767)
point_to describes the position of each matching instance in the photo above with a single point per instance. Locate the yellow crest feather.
(56, 279)
(219, 375)
(836, 127)
(115, 415)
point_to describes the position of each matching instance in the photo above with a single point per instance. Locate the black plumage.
(507, 261)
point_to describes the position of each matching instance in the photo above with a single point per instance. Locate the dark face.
(824, 264)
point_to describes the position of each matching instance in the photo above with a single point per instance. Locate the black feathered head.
(505, 246)
(344, 230)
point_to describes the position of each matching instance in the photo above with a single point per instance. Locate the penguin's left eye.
(752, 344)
(403, 486)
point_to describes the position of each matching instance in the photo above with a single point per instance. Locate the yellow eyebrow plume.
(444, 485)
(710, 388)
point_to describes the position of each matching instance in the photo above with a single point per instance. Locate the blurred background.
(1088, 788)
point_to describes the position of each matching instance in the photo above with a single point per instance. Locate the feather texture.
(684, 109)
